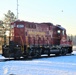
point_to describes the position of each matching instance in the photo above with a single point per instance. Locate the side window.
(31, 26)
(27, 25)
(12, 26)
(34, 26)
(63, 32)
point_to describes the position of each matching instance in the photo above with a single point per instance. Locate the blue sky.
(61, 12)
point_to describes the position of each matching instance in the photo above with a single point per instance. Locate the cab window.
(63, 32)
(20, 26)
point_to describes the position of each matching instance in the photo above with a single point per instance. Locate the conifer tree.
(9, 17)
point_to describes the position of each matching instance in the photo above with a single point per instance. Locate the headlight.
(17, 45)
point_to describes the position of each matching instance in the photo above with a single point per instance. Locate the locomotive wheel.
(17, 54)
(64, 51)
(16, 58)
(48, 52)
(37, 53)
(30, 53)
(57, 54)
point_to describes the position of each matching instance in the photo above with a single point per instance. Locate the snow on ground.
(61, 65)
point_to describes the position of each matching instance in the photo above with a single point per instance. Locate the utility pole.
(17, 9)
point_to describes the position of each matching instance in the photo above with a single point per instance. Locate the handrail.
(21, 42)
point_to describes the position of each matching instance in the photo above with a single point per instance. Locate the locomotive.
(29, 39)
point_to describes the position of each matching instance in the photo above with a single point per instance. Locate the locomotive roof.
(34, 22)
(50, 24)
(47, 23)
(60, 27)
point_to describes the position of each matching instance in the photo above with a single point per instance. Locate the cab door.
(20, 34)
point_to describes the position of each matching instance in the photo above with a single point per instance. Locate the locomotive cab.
(58, 32)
